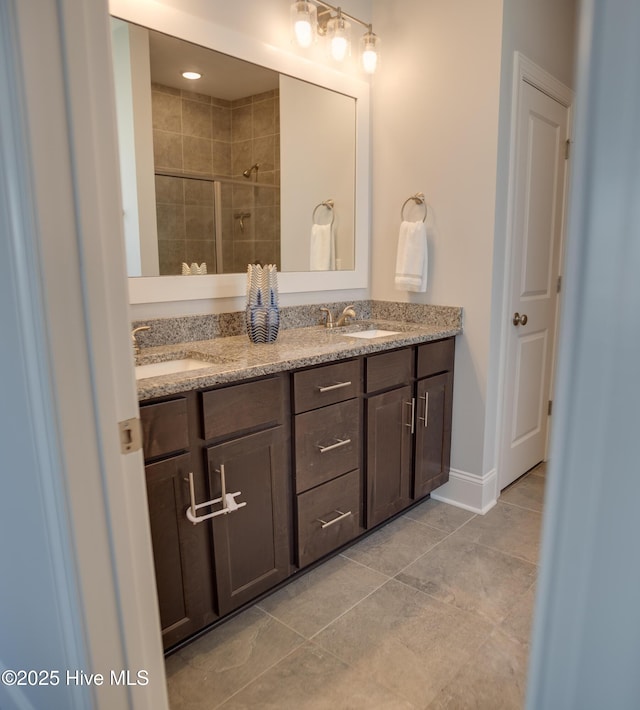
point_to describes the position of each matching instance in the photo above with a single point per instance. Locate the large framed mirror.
(192, 197)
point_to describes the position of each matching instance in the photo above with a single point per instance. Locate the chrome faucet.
(348, 312)
(134, 342)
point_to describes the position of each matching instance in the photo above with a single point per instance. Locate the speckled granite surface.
(187, 329)
(234, 358)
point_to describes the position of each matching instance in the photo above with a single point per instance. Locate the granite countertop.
(234, 358)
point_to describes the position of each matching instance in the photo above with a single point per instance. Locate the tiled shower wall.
(204, 135)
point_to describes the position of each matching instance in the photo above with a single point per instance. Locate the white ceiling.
(223, 77)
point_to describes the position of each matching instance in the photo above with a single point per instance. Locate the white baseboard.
(465, 490)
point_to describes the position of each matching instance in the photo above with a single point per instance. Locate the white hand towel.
(323, 256)
(412, 258)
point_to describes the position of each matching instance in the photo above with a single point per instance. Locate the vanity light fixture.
(334, 24)
(370, 51)
(339, 34)
(193, 75)
(305, 22)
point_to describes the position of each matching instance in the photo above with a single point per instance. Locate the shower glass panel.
(226, 224)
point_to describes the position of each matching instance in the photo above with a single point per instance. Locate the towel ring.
(418, 198)
(329, 205)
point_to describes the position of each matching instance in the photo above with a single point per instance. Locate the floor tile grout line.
(378, 681)
(362, 564)
(284, 623)
(502, 552)
(426, 552)
(467, 612)
(522, 507)
(266, 670)
(435, 527)
(353, 606)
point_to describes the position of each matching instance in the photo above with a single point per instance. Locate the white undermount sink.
(169, 367)
(373, 333)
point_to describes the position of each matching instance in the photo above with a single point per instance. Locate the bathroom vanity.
(328, 438)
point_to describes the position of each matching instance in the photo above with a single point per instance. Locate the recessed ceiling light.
(191, 75)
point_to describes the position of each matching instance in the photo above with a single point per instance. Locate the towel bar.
(418, 198)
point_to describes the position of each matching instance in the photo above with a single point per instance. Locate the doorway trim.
(526, 71)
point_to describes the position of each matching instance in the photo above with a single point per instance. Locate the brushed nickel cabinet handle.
(412, 404)
(337, 445)
(341, 516)
(425, 419)
(330, 388)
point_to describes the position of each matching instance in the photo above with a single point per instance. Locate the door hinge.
(567, 149)
(550, 407)
(559, 284)
(130, 435)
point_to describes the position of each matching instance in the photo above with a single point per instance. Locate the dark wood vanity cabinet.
(317, 456)
(408, 426)
(327, 471)
(389, 433)
(251, 544)
(433, 415)
(246, 428)
(181, 551)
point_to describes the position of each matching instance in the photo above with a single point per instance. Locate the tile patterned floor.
(432, 612)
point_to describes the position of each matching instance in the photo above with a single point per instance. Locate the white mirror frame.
(162, 18)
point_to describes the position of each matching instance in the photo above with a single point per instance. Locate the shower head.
(248, 171)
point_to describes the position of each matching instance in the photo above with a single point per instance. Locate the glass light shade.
(305, 22)
(339, 34)
(370, 52)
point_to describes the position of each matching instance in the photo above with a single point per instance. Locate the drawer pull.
(412, 424)
(425, 419)
(337, 445)
(228, 500)
(330, 388)
(341, 516)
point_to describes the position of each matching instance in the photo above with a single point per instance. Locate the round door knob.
(520, 319)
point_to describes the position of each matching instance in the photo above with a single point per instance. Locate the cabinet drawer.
(389, 369)
(240, 408)
(326, 385)
(165, 428)
(435, 357)
(327, 443)
(328, 516)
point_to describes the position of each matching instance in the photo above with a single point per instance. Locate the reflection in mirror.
(228, 169)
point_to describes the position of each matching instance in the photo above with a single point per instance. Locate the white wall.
(323, 122)
(441, 123)
(435, 130)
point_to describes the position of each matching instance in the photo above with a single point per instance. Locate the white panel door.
(539, 175)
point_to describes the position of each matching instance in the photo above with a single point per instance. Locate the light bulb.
(303, 33)
(339, 33)
(305, 22)
(193, 75)
(370, 47)
(369, 60)
(339, 47)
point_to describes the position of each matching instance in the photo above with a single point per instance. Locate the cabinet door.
(389, 442)
(181, 551)
(433, 433)
(252, 543)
